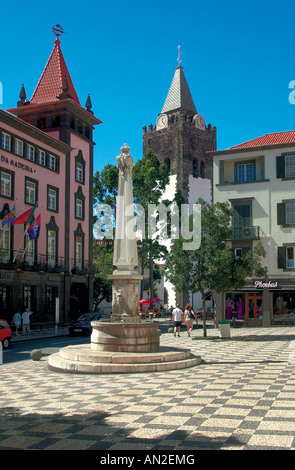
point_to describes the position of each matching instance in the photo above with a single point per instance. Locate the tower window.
(202, 169)
(168, 163)
(195, 168)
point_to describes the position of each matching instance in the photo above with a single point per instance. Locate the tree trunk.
(204, 314)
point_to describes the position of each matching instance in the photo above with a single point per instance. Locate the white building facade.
(257, 178)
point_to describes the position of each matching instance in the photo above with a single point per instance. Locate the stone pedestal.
(127, 337)
(125, 290)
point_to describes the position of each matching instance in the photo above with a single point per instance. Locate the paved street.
(241, 397)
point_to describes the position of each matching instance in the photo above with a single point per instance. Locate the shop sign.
(266, 284)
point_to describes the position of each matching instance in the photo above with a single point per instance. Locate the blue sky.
(238, 59)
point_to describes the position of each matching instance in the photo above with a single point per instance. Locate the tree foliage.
(213, 267)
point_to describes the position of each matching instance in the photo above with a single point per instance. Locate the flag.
(10, 217)
(26, 217)
(34, 228)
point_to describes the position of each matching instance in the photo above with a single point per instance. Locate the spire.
(179, 95)
(88, 104)
(23, 97)
(55, 82)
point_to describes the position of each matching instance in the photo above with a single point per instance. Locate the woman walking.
(189, 318)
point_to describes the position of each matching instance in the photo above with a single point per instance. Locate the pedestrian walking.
(17, 322)
(189, 318)
(177, 317)
(26, 321)
(229, 308)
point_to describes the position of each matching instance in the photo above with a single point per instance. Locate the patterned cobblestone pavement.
(241, 397)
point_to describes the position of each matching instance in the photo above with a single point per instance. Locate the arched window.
(168, 163)
(195, 168)
(202, 169)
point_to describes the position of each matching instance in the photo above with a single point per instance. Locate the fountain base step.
(84, 360)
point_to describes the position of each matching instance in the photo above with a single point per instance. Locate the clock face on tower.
(199, 122)
(162, 122)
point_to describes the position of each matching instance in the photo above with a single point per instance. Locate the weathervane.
(179, 54)
(57, 30)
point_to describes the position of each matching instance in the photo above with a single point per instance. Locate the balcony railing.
(30, 261)
(246, 233)
(79, 266)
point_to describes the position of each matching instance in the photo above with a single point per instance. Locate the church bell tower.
(182, 140)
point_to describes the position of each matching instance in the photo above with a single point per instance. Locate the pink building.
(46, 158)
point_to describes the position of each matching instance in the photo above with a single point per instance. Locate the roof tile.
(50, 83)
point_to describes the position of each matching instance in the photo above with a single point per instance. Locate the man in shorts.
(177, 317)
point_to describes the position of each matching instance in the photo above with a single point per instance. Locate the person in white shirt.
(26, 321)
(177, 317)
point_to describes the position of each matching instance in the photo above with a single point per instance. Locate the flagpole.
(27, 226)
(20, 244)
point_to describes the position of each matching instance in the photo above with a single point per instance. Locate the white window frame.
(30, 192)
(51, 162)
(244, 166)
(6, 184)
(5, 241)
(51, 243)
(79, 208)
(79, 172)
(30, 250)
(289, 166)
(52, 199)
(30, 153)
(19, 147)
(41, 157)
(79, 252)
(6, 141)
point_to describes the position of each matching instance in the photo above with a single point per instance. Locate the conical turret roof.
(50, 85)
(179, 95)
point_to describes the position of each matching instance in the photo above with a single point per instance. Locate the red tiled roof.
(266, 140)
(50, 83)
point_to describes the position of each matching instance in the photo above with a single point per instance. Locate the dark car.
(5, 334)
(82, 326)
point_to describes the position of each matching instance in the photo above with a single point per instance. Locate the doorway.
(253, 309)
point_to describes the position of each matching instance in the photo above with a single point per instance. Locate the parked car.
(5, 334)
(82, 326)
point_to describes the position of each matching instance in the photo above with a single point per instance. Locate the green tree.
(102, 266)
(212, 268)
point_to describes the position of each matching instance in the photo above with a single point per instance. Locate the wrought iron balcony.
(79, 266)
(246, 233)
(18, 259)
